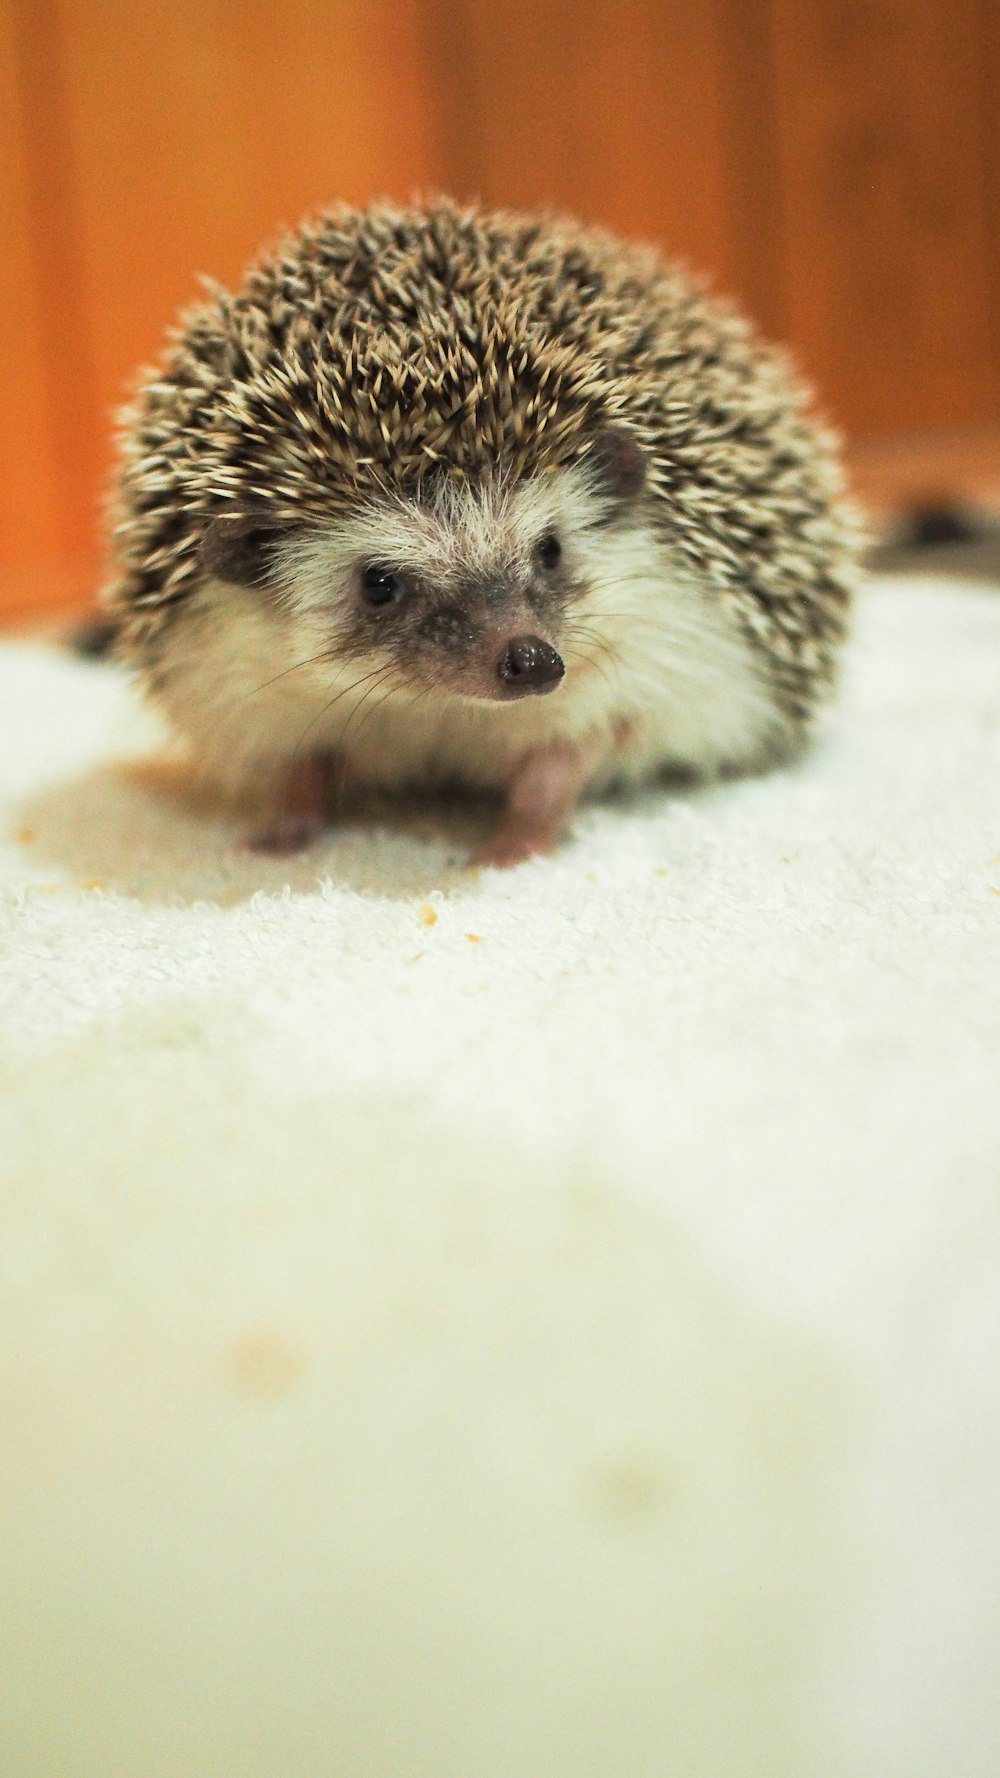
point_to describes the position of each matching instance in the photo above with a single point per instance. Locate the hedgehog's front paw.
(299, 807)
(541, 797)
(512, 845)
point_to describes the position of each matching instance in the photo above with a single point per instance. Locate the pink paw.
(509, 846)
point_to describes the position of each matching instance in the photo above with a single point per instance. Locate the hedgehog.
(448, 496)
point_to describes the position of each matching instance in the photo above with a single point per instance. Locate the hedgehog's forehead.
(471, 526)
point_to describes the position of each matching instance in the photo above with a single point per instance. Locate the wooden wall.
(835, 163)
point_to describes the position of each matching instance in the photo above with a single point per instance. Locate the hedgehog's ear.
(240, 550)
(619, 465)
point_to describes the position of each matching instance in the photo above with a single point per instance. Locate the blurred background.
(834, 164)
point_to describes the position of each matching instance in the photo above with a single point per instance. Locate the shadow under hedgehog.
(444, 495)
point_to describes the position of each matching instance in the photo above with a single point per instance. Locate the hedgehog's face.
(467, 595)
(472, 591)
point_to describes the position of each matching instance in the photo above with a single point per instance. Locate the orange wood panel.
(990, 97)
(880, 139)
(902, 471)
(58, 287)
(200, 128)
(754, 216)
(615, 115)
(835, 163)
(31, 534)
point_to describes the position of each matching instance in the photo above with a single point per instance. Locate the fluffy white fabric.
(539, 1325)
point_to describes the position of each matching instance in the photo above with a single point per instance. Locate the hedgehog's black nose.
(529, 664)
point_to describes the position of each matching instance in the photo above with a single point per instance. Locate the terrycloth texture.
(539, 1325)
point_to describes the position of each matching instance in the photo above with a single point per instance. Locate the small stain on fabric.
(262, 1365)
(631, 1487)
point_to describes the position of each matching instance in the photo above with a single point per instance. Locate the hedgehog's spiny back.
(377, 348)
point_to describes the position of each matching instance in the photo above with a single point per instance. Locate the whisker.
(227, 717)
(363, 679)
(682, 658)
(389, 673)
(590, 633)
(591, 660)
(379, 679)
(326, 654)
(682, 629)
(297, 749)
(373, 710)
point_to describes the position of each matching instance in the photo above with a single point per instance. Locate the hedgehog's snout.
(528, 664)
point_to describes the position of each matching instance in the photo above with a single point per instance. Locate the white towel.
(527, 1325)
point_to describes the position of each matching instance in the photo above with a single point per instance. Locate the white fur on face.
(462, 532)
(659, 672)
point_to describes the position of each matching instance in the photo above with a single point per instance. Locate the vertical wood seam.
(756, 200)
(989, 99)
(57, 266)
(454, 96)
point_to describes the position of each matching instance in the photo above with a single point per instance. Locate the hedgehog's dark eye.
(381, 586)
(548, 550)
